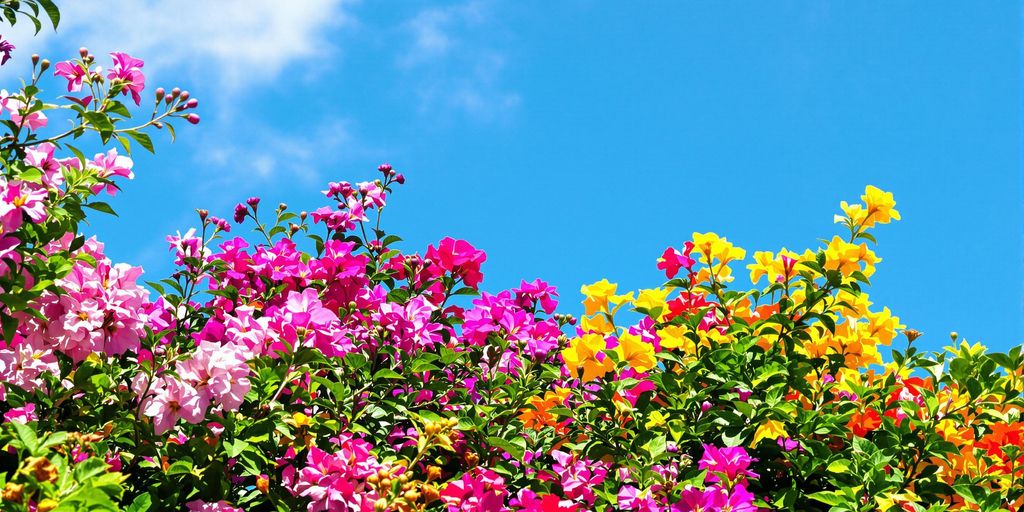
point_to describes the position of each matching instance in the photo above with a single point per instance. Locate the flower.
(459, 258)
(5, 48)
(861, 423)
(127, 72)
(587, 352)
(636, 352)
(74, 72)
(727, 463)
(672, 260)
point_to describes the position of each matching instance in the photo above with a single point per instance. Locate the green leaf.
(100, 206)
(141, 503)
(828, 497)
(143, 139)
(52, 11)
(512, 448)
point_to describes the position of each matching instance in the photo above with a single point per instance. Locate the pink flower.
(631, 498)
(540, 291)
(19, 112)
(41, 156)
(22, 414)
(109, 165)
(218, 373)
(528, 501)
(579, 476)
(6, 48)
(202, 506)
(73, 72)
(459, 258)
(479, 490)
(336, 481)
(127, 70)
(18, 197)
(672, 260)
(172, 400)
(730, 462)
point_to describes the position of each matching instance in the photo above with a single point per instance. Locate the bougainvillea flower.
(73, 72)
(127, 71)
(729, 462)
(861, 423)
(672, 260)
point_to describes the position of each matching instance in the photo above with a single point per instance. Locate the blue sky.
(576, 140)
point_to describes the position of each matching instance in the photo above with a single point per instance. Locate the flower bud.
(83, 52)
(912, 334)
(302, 215)
(192, 103)
(160, 93)
(89, 58)
(953, 335)
(193, 118)
(175, 92)
(384, 168)
(433, 473)
(430, 493)
(400, 178)
(381, 505)
(282, 207)
(44, 65)
(293, 228)
(35, 59)
(203, 214)
(184, 95)
(168, 99)
(159, 125)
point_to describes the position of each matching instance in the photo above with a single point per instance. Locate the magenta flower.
(336, 481)
(459, 258)
(5, 48)
(730, 462)
(22, 414)
(73, 72)
(479, 490)
(218, 506)
(579, 476)
(17, 198)
(127, 71)
(672, 260)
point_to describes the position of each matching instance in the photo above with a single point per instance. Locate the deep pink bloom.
(219, 506)
(22, 414)
(730, 462)
(579, 476)
(5, 48)
(128, 70)
(672, 260)
(41, 156)
(479, 490)
(528, 501)
(336, 481)
(73, 72)
(459, 258)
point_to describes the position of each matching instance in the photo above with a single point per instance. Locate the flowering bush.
(315, 365)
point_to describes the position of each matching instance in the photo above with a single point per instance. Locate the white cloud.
(234, 42)
(452, 63)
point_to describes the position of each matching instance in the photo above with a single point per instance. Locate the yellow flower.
(674, 336)
(710, 246)
(881, 207)
(651, 299)
(770, 430)
(656, 419)
(847, 258)
(597, 295)
(586, 352)
(597, 323)
(856, 305)
(773, 266)
(880, 327)
(636, 352)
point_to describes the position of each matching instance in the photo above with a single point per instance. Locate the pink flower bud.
(192, 103)
(384, 168)
(193, 118)
(83, 52)
(160, 93)
(400, 178)
(184, 95)
(175, 92)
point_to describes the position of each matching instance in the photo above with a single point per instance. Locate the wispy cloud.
(453, 62)
(231, 42)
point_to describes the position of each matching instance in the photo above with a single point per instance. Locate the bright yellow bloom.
(656, 419)
(856, 305)
(674, 337)
(651, 299)
(881, 207)
(597, 323)
(710, 246)
(772, 266)
(880, 327)
(770, 430)
(847, 258)
(597, 295)
(636, 352)
(586, 352)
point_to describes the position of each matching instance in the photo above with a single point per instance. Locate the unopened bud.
(203, 214)
(168, 99)
(912, 334)
(175, 92)
(35, 59)
(302, 215)
(83, 52)
(953, 335)
(89, 58)
(160, 93)
(44, 65)
(192, 118)
(282, 207)
(158, 125)
(400, 178)
(184, 95)
(384, 168)
(192, 103)
(381, 505)
(293, 227)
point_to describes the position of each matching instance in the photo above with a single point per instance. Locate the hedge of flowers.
(313, 364)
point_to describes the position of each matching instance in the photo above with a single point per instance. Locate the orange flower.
(862, 423)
